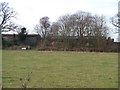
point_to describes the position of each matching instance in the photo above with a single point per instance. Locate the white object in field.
(24, 48)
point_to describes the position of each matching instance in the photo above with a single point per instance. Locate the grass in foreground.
(60, 69)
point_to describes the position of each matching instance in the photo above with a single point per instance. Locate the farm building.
(31, 39)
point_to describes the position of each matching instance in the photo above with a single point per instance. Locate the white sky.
(30, 11)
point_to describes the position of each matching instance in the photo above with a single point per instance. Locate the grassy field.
(60, 69)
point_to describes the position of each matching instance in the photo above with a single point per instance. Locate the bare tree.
(100, 26)
(66, 30)
(6, 15)
(64, 26)
(81, 23)
(85, 27)
(99, 31)
(54, 31)
(115, 20)
(43, 27)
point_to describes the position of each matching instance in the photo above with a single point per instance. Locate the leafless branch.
(6, 15)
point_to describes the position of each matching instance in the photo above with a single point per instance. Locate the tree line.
(78, 31)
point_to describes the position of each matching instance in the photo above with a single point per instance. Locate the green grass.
(60, 69)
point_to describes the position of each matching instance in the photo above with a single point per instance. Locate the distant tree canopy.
(79, 24)
(81, 29)
(82, 24)
(6, 15)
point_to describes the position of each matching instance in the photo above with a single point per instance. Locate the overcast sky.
(30, 11)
